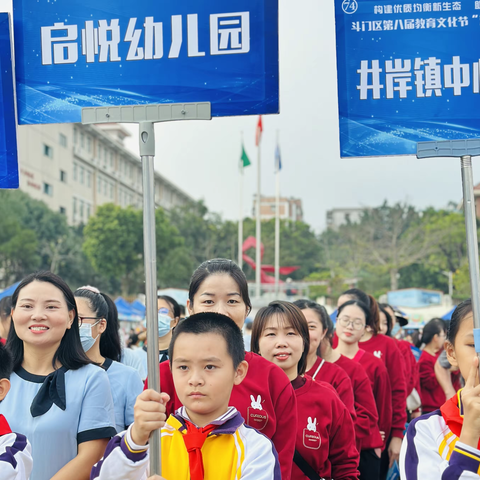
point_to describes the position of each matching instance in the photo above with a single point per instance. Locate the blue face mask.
(163, 322)
(86, 336)
(395, 329)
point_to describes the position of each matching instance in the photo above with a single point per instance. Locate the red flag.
(258, 136)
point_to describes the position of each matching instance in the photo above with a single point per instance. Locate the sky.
(201, 157)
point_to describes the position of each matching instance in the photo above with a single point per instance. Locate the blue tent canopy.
(126, 312)
(9, 290)
(139, 307)
(333, 316)
(448, 315)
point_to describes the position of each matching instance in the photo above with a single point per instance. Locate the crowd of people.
(291, 395)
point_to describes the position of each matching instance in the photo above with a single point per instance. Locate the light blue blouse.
(55, 435)
(126, 385)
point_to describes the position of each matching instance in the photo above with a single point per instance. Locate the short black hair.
(209, 322)
(6, 362)
(434, 327)
(5, 308)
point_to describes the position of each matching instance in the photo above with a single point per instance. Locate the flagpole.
(240, 218)
(258, 259)
(277, 224)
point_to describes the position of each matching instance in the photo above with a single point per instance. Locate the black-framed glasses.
(345, 322)
(81, 319)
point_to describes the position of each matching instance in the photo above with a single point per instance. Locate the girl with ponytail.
(98, 319)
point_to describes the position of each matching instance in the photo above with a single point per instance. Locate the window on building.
(63, 210)
(75, 136)
(89, 213)
(89, 143)
(75, 171)
(82, 175)
(125, 167)
(63, 176)
(89, 179)
(100, 148)
(105, 186)
(47, 189)
(111, 190)
(80, 210)
(62, 140)
(74, 208)
(47, 150)
(111, 160)
(82, 140)
(99, 185)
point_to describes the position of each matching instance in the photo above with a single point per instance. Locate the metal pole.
(277, 227)
(147, 153)
(240, 221)
(258, 257)
(472, 243)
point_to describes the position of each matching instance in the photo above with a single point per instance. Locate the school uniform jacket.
(265, 399)
(432, 451)
(367, 416)
(325, 432)
(15, 454)
(338, 379)
(377, 373)
(232, 451)
(385, 348)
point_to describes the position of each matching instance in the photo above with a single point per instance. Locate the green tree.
(113, 244)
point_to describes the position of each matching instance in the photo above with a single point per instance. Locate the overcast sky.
(202, 157)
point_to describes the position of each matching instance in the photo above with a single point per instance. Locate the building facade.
(290, 208)
(341, 216)
(76, 168)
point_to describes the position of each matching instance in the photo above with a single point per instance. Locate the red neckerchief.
(4, 426)
(452, 413)
(194, 440)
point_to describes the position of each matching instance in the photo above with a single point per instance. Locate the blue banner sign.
(8, 124)
(72, 54)
(414, 298)
(407, 72)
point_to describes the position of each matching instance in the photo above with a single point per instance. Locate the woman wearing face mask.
(100, 339)
(168, 317)
(58, 399)
(325, 439)
(351, 321)
(265, 398)
(317, 367)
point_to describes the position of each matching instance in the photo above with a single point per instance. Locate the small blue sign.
(8, 124)
(407, 72)
(414, 298)
(72, 54)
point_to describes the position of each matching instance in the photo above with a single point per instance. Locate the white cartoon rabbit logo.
(256, 404)
(312, 426)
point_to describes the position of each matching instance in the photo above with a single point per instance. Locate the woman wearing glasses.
(58, 399)
(352, 319)
(98, 321)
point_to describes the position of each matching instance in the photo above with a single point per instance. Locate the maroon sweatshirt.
(338, 379)
(431, 393)
(411, 370)
(267, 385)
(367, 416)
(382, 392)
(385, 348)
(325, 432)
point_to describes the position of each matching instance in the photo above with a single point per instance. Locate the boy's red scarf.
(452, 413)
(4, 426)
(194, 440)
